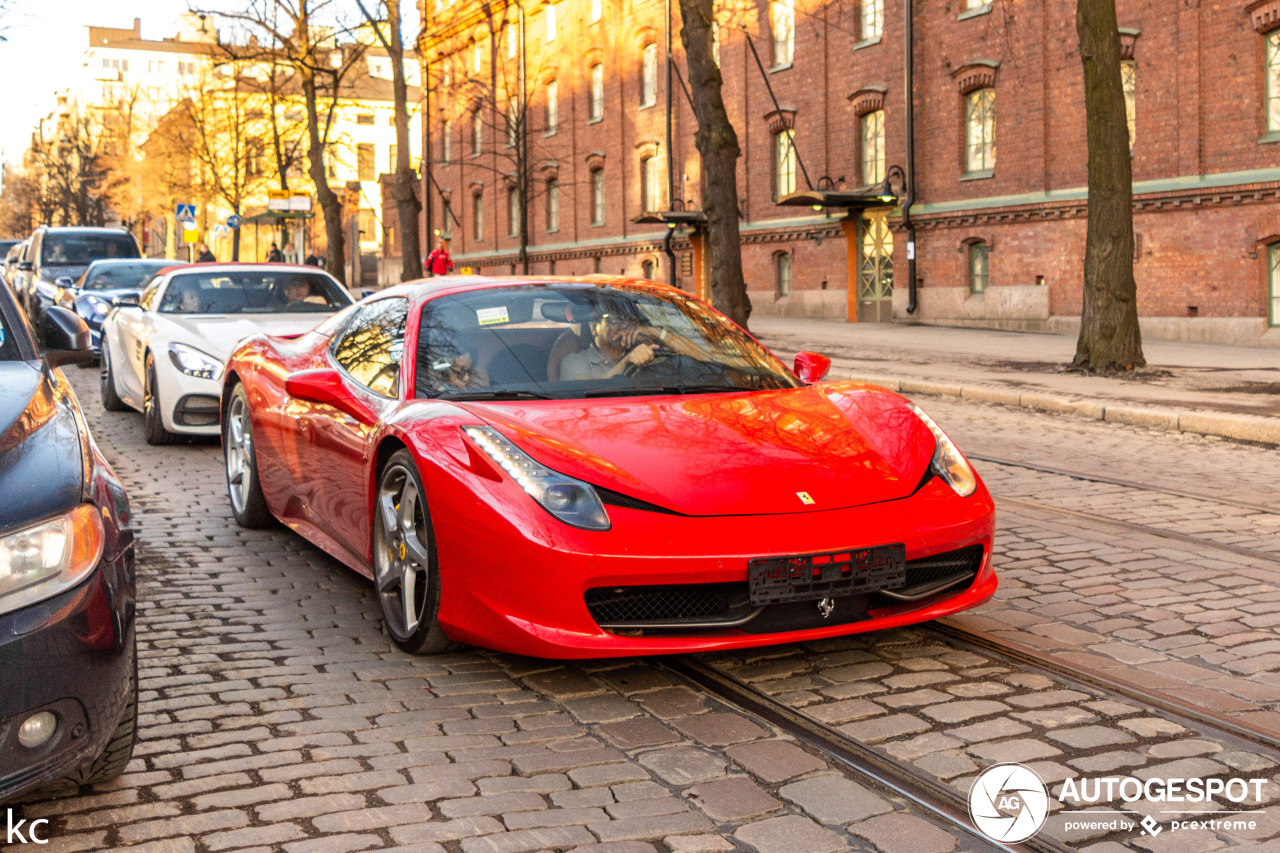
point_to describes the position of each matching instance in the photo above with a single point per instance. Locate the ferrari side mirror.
(324, 385)
(811, 367)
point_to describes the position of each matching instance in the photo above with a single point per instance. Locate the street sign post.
(186, 213)
(233, 221)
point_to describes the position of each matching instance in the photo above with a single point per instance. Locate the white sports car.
(165, 355)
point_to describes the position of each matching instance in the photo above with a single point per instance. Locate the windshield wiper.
(496, 395)
(640, 391)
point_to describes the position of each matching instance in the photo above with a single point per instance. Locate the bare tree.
(717, 143)
(386, 26)
(1110, 339)
(296, 30)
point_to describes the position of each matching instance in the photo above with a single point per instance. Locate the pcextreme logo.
(1010, 802)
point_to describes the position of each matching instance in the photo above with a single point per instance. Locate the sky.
(44, 48)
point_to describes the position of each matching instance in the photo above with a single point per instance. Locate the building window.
(553, 205)
(597, 10)
(446, 219)
(1273, 81)
(975, 5)
(394, 154)
(366, 164)
(980, 136)
(784, 32)
(364, 118)
(510, 35)
(553, 105)
(368, 226)
(477, 216)
(596, 110)
(477, 57)
(979, 269)
(513, 212)
(513, 124)
(446, 144)
(649, 75)
(1274, 257)
(646, 269)
(551, 22)
(1129, 79)
(597, 197)
(873, 147)
(782, 274)
(784, 159)
(872, 19)
(649, 184)
(446, 72)
(186, 69)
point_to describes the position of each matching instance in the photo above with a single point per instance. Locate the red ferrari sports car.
(598, 467)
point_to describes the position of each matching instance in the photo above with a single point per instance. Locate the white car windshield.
(252, 292)
(563, 340)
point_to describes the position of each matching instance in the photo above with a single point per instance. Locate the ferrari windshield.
(274, 291)
(584, 340)
(121, 275)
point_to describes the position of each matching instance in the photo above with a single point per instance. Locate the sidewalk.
(1204, 388)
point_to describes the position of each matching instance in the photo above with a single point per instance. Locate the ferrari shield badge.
(805, 498)
(826, 606)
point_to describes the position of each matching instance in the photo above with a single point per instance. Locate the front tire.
(406, 573)
(248, 504)
(110, 399)
(113, 760)
(152, 422)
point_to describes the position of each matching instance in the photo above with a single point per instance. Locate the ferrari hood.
(218, 334)
(796, 450)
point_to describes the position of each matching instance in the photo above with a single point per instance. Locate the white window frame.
(595, 111)
(553, 206)
(783, 20)
(980, 131)
(597, 197)
(649, 75)
(553, 108)
(784, 162)
(873, 159)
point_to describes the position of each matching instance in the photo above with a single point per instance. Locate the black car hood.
(41, 456)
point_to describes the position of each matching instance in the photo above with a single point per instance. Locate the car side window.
(372, 346)
(148, 297)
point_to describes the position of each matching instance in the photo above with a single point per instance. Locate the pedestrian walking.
(274, 256)
(205, 256)
(438, 262)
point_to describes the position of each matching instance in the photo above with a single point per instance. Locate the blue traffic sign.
(233, 221)
(186, 213)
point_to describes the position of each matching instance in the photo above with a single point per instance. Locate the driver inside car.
(616, 345)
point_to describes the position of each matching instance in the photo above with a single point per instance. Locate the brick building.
(999, 168)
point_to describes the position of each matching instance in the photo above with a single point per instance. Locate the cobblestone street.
(277, 715)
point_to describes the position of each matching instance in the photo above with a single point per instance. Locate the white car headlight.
(99, 306)
(42, 560)
(572, 501)
(947, 462)
(193, 362)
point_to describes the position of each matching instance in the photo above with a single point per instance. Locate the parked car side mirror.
(66, 338)
(368, 291)
(811, 367)
(324, 385)
(125, 300)
(26, 266)
(65, 281)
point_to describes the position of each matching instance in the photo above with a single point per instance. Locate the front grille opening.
(675, 606)
(197, 410)
(929, 575)
(612, 498)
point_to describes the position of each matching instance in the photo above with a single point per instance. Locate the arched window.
(477, 216)
(784, 32)
(597, 197)
(784, 159)
(646, 269)
(513, 212)
(980, 135)
(873, 147)
(649, 75)
(553, 205)
(979, 267)
(553, 104)
(782, 274)
(596, 109)
(649, 196)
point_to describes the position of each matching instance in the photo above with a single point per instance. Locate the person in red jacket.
(438, 262)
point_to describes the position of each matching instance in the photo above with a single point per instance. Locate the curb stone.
(1254, 428)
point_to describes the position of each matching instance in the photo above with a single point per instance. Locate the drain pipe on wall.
(910, 189)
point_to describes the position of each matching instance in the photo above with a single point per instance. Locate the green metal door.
(875, 268)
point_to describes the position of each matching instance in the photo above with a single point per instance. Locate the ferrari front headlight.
(42, 560)
(948, 463)
(570, 500)
(193, 362)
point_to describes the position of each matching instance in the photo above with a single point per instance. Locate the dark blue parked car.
(68, 651)
(104, 284)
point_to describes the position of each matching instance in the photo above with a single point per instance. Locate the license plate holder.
(809, 577)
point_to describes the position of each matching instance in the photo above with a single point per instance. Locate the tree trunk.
(407, 205)
(330, 204)
(717, 144)
(1109, 336)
